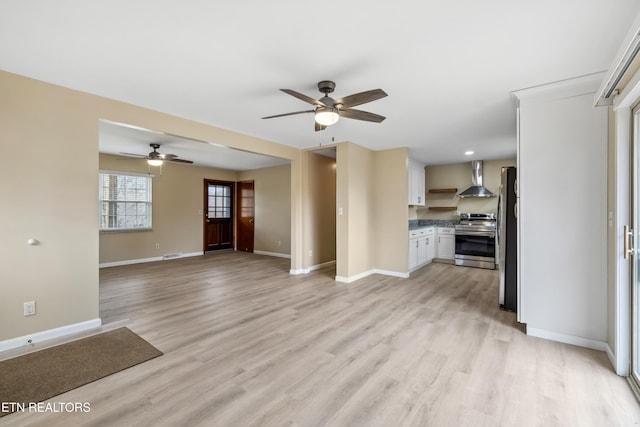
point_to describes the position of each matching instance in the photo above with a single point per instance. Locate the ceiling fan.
(329, 110)
(155, 159)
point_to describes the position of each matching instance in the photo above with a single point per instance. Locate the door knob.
(251, 220)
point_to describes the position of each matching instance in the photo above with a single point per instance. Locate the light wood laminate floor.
(247, 344)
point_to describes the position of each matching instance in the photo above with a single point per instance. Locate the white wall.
(562, 175)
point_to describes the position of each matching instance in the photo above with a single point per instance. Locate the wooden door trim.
(238, 213)
(205, 204)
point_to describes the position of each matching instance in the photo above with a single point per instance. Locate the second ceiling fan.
(329, 110)
(156, 159)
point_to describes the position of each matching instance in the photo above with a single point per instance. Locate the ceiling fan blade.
(319, 127)
(173, 159)
(361, 98)
(302, 97)
(142, 156)
(361, 115)
(289, 114)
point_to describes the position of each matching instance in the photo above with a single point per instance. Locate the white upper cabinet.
(416, 183)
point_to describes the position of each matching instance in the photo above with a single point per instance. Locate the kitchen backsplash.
(415, 223)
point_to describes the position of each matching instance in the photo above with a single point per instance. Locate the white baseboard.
(392, 273)
(49, 334)
(353, 278)
(319, 266)
(276, 254)
(312, 268)
(154, 259)
(364, 274)
(568, 339)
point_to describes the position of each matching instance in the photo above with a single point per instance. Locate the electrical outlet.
(157, 245)
(279, 242)
(29, 308)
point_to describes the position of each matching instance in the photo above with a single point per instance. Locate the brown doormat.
(38, 376)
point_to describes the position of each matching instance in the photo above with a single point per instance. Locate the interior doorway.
(321, 213)
(218, 217)
(245, 215)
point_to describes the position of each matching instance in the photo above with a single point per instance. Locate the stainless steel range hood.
(476, 189)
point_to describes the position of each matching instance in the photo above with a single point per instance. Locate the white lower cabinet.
(446, 243)
(422, 248)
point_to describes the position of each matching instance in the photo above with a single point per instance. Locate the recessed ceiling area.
(121, 139)
(448, 67)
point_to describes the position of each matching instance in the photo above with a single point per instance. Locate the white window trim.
(100, 200)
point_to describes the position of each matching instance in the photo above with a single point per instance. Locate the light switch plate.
(29, 308)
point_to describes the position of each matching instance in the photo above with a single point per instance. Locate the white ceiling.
(448, 67)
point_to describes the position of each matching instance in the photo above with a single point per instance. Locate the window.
(125, 201)
(219, 201)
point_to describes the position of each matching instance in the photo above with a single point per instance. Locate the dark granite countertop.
(419, 223)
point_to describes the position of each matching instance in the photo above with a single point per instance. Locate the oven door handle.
(476, 233)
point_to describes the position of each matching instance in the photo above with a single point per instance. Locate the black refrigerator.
(507, 237)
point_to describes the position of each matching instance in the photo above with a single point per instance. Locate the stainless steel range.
(476, 241)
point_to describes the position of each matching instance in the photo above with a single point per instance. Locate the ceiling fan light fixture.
(154, 162)
(326, 116)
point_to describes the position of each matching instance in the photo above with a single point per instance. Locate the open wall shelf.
(443, 208)
(443, 190)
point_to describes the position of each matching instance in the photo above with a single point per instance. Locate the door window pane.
(219, 199)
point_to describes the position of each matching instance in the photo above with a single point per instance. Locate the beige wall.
(272, 208)
(49, 137)
(178, 200)
(49, 179)
(372, 190)
(355, 227)
(176, 221)
(390, 210)
(458, 175)
(49, 188)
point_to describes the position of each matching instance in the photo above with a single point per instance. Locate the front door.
(218, 218)
(246, 218)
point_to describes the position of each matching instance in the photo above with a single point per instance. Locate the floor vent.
(171, 256)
